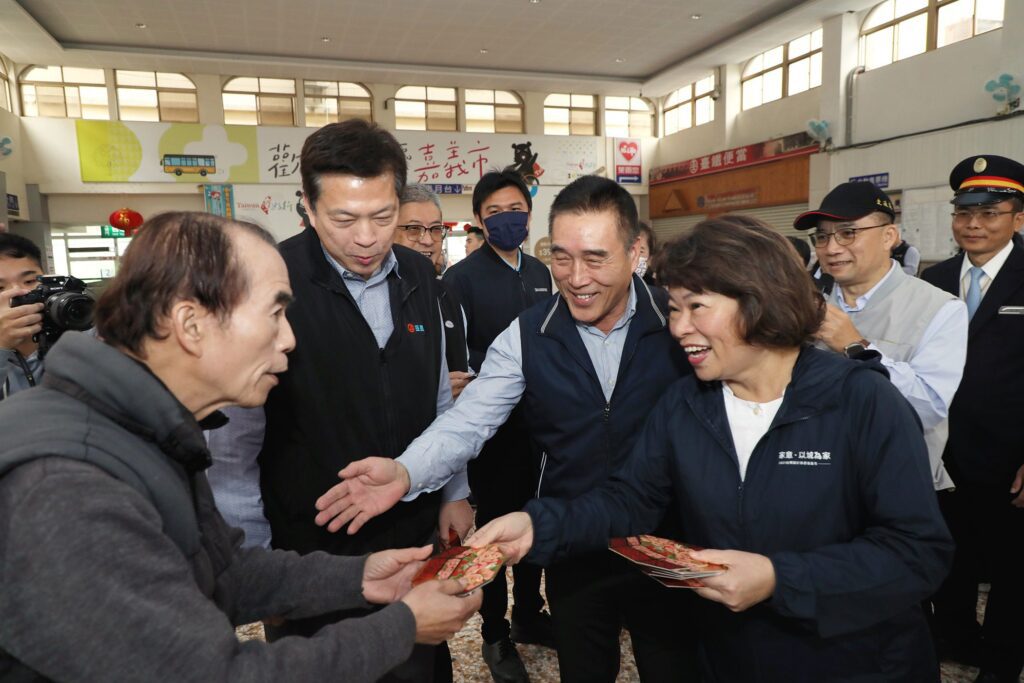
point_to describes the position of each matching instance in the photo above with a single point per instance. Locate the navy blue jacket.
(582, 436)
(837, 494)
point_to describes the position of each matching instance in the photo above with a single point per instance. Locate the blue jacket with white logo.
(837, 494)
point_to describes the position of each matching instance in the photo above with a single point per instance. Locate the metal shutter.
(779, 217)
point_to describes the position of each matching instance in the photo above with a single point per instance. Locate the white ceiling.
(548, 45)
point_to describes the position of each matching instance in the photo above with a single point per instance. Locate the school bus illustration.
(189, 163)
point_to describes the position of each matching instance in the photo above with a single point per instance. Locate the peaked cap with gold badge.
(986, 179)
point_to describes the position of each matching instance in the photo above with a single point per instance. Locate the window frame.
(651, 111)
(258, 94)
(427, 102)
(63, 84)
(339, 98)
(6, 102)
(570, 108)
(495, 105)
(931, 12)
(784, 65)
(157, 88)
(692, 99)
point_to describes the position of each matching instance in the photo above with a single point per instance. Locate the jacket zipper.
(540, 479)
(388, 407)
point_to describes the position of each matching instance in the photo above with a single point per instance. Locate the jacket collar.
(127, 392)
(815, 387)
(559, 324)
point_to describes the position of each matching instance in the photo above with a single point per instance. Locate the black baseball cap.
(986, 179)
(847, 202)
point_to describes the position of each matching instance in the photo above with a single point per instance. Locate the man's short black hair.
(493, 181)
(353, 147)
(473, 230)
(594, 194)
(16, 246)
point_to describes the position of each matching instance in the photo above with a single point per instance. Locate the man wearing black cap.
(985, 454)
(875, 308)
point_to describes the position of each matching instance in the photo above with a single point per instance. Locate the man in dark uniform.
(985, 452)
(495, 284)
(371, 374)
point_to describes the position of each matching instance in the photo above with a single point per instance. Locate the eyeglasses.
(437, 231)
(844, 236)
(984, 216)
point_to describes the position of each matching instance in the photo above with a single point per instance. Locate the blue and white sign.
(879, 180)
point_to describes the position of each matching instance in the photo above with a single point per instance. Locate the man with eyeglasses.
(421, 229)
(876, 310)
(985, 452)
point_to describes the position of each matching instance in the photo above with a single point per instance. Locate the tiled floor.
(468, 667)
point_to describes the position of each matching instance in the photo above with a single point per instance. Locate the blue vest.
(581, 436)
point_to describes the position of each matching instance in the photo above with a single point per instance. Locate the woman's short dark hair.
(353, 147)
(742, 258)
(175, 256)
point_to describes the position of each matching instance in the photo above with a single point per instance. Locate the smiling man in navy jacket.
(586, 366)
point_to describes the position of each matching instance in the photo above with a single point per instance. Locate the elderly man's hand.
(512, 532)
(439, 612)
(371, 486)
(837, 330)
(387, 575)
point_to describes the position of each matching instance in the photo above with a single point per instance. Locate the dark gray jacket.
(95, 585)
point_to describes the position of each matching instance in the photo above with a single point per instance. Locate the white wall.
(937, 88)
(12, 164)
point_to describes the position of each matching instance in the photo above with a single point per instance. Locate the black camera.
(66, 306)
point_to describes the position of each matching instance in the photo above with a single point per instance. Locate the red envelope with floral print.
(473, 567)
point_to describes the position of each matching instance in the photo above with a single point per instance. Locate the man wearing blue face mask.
(495, 284)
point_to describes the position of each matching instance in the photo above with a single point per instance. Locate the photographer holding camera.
(20, 265)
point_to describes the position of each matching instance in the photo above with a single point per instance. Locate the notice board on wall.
(925, 222)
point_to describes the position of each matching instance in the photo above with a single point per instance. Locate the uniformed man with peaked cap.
(985, 450)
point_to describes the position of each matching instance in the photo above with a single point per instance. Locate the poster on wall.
(116, 152)
(628, 161)
(271, 206)
(219, 200)
(748, 155)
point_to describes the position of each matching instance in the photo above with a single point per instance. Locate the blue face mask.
(507, 230)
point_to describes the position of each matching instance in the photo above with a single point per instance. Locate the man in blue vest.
(587, 366)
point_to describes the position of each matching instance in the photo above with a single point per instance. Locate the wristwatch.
(857, 349)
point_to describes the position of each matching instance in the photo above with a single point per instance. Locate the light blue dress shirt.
(931, 377)
(234, 475)
(456, 437)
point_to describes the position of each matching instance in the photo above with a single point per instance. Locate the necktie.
(973, 297)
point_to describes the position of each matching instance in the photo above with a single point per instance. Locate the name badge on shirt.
(1011, 310)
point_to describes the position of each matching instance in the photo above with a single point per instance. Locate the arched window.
(897, 29)
(420, 107)
(65, 92)
(335, 101)
(628, 117)
(5, 87)
(785, 70)
(691, 105)
(251, 101)
(156, 96)
(567, 114)
(493, 111)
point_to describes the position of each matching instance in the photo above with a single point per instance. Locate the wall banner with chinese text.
(762, 152)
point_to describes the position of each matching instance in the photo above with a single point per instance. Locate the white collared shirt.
(991, 270)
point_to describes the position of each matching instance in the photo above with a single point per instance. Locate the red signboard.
(749, 155)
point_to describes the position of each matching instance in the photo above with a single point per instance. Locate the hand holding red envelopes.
(669, 562)
(473, 567)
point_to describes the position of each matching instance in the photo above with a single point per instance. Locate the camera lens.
(70, 311)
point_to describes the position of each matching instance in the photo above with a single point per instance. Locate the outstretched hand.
(387, 575)
(371, 486)
(440, 609)
(749, 579)
(512, 532)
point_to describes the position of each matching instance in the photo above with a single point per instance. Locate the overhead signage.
(749, 155)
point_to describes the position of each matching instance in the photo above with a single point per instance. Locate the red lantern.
(126, 219)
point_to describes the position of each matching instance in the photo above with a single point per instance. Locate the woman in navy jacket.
(802, 471)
